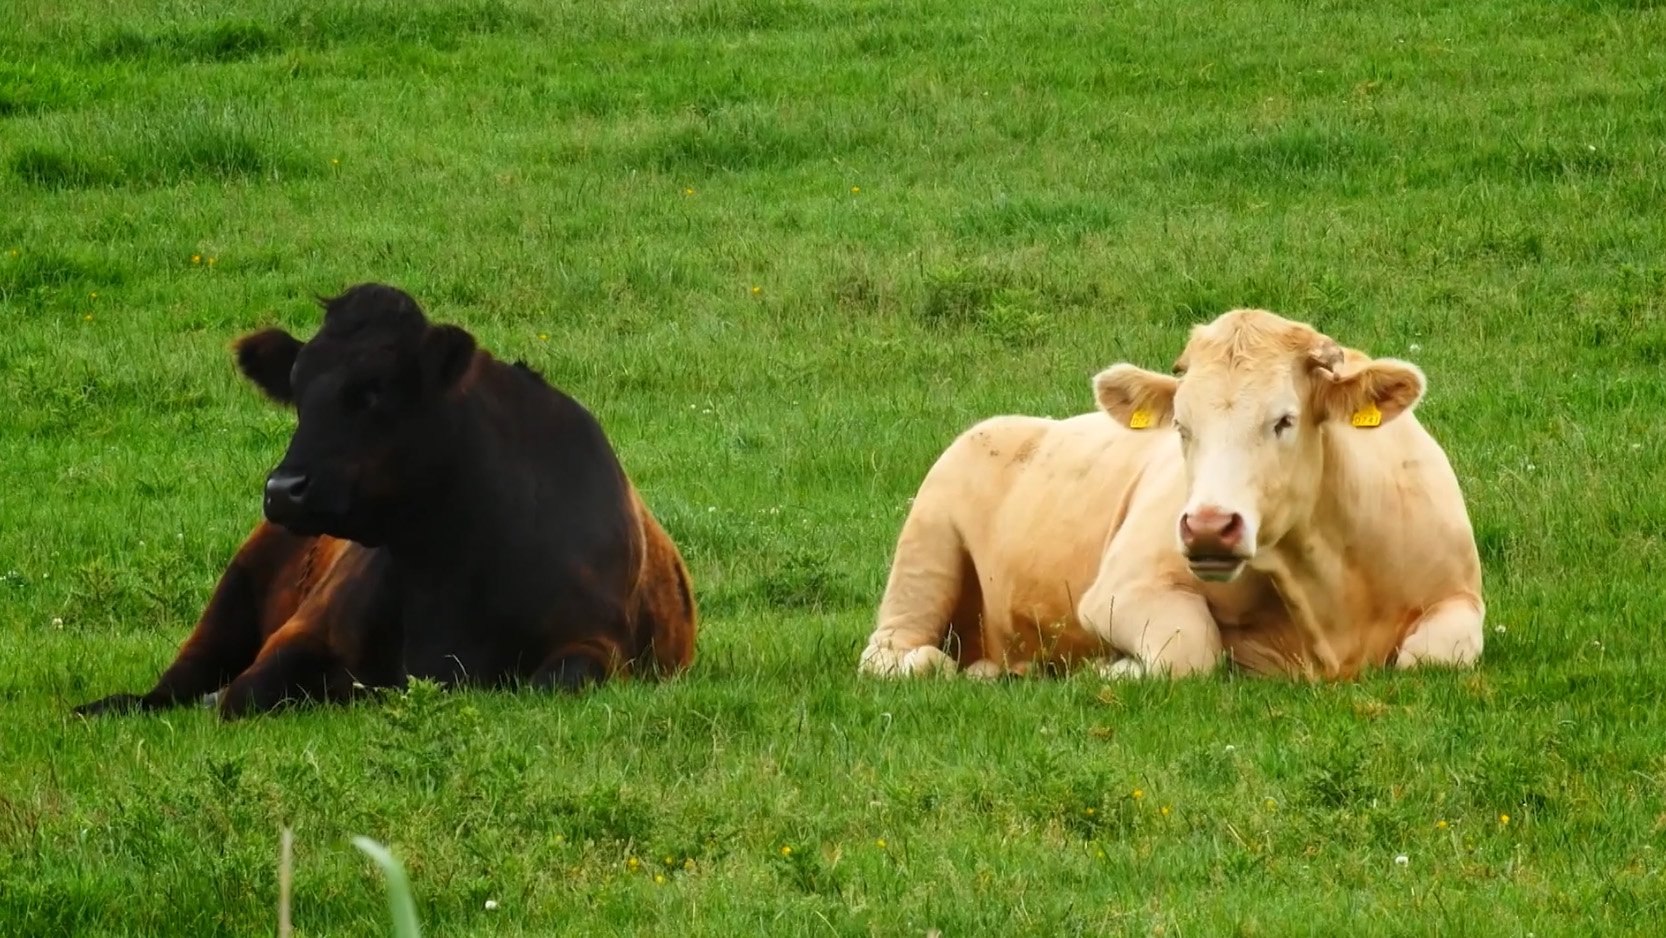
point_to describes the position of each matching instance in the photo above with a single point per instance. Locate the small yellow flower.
(211, 262)
(1271, 804)
(688, 190)
(543, 336)
(1165, 810)
(880, 843)
(1088, 812)
(196, 258)
(560, 838)
(1440, 824)
(670, 862)
(1099, 853)
(757, 290)
(688, 863)
(1504, 819)
(855, 190)
(88, 317)
(335, 161)
(659, 878)
(16, 252)
(632, 864)
(786, 851)
(1138, 794)
(95, 294)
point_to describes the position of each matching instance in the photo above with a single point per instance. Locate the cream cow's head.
(1253, 397)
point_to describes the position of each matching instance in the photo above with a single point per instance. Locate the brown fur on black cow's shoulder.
(438, 514)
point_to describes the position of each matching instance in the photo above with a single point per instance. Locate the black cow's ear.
(446, 354)
(266, 358)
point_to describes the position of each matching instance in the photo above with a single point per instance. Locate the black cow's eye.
(1283, 424)
(362, 397)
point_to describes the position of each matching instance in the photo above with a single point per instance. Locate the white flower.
(1402, 860)
(57, 623)
(1230, 749)
(491, 905)
(1500, 629)
(1416, 348)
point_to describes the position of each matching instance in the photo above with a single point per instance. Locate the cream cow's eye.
(1283, 424)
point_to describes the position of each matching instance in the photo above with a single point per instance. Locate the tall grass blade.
(286, 864)
(400, 902)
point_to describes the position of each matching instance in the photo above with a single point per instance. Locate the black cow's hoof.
(247, 698)
(115, 703)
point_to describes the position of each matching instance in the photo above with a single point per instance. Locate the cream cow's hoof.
(1429, 648)
(927, 660)
(983, 670)
(887, 662)
(879, 661)
(1122, 669)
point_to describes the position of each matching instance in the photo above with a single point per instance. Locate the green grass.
(948, 210)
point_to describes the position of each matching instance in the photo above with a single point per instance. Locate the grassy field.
(786, 250)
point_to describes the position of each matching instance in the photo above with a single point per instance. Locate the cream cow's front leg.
(920, 594)
(1160, 631)
(1449, 634)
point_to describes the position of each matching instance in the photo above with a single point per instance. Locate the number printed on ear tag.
(1368, 416)
(1139, 420)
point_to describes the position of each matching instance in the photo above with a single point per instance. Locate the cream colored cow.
(1278, 501)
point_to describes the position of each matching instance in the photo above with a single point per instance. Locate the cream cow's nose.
(1211, 531)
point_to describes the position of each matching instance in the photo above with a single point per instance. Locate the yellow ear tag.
(1368, 416)
(1139, 420)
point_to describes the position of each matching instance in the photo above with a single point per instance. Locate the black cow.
(439, 514)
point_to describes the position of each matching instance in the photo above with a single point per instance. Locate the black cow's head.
(369, 392)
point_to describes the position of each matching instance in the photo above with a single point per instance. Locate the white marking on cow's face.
(1252, 462)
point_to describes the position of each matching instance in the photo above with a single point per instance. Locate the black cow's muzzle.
(309, 505)
(286, 491)
(292, 502)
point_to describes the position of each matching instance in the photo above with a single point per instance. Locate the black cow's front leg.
(288, 674)
(342, 642)
(226, 639)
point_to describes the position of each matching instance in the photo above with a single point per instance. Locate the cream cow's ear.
(1374, 393)
(1135, 397)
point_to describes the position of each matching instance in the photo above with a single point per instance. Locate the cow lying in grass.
(1278, 501)
(438, 514)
